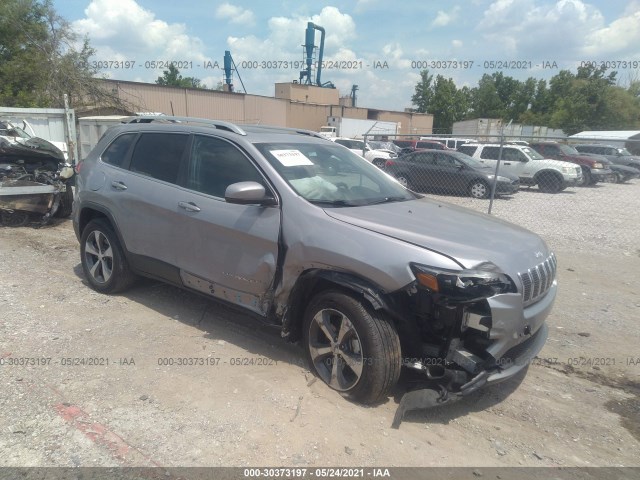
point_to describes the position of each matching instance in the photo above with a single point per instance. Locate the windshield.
(568, 150)
(533, 155)
(385, 146)
(10, 130)
(624, 152)
(331, 175)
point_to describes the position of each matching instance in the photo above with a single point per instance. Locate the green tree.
(173, 78)
(486, 102)
(448, 104)
(423, 92)
(40, 60)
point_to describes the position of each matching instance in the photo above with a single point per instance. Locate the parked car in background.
(310, 238)
(450, 142)
(377, 157)
(551, 176)
(594, 169)
(409, 146)
(385, 146)
(617, 155)
(449, 171)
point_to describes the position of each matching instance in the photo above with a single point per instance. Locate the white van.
(450, 142)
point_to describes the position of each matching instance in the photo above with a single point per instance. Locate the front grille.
(538, 280)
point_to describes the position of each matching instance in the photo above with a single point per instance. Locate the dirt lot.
(255, 403)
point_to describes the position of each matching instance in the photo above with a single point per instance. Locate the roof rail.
(275, 129)
(219, 124)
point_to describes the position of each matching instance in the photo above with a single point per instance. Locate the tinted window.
(158, 155)
(215, 164)
(117, 151)
(425, 158)
(490, 153)
(467, 149)
(445, 161)
(513, 155)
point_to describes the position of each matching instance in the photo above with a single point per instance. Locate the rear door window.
(490, 153)
(158, 155)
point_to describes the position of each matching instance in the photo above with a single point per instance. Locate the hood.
(591, 159)
(31, 149)
(466, 236)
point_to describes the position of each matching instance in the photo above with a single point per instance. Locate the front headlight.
(597, 165)
(568, 170)
(484, 281)
(66, 172)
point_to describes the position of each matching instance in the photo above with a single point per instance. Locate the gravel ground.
(577, 406)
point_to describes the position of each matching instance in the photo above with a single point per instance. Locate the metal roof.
(607, 134)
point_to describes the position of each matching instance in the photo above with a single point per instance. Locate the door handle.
(507, 163)
(118, 185)
(189, 206)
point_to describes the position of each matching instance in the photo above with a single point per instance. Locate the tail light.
(78, 167)
(388, 163)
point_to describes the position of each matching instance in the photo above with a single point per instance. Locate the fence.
(482, 169)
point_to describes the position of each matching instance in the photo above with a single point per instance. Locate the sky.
(379, 45)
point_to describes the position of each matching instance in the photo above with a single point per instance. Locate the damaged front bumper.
(485, 342)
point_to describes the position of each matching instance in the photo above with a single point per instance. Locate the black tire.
(379, 162)
(550, 183)
(104, 264)
(587, 178)
(66, 203)
(369, 340)
(479, 189)
(15, 219)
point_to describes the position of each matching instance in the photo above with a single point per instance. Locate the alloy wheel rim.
(335, 349)
(478, 190)
(98, 255)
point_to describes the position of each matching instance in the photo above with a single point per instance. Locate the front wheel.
(103, 260)
(550, 183)
(479, 189)
(403, 179)
(66, 203)
(351, 347)
(586, 178)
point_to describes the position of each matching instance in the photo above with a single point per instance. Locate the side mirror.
(248, 193)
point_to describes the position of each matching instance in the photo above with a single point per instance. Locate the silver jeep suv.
(310, 237)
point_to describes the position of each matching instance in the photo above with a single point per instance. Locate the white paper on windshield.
(291, 158)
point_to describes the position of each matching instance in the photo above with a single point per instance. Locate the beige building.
(294, 105)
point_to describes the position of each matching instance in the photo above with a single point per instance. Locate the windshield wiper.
(333, 203)
(397, 198)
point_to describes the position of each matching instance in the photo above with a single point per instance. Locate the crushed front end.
(34, 182)
(469, 328)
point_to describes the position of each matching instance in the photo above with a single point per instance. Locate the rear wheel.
(351, 347)
(479, 189)
(550, 183)
(103, 260)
